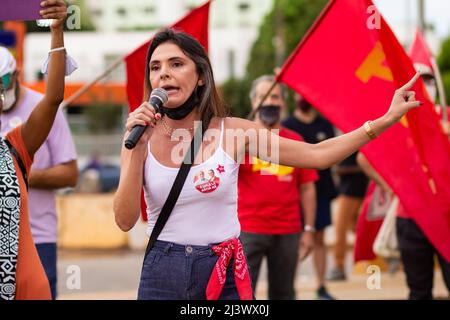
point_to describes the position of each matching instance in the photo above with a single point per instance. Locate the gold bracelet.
(369, 130)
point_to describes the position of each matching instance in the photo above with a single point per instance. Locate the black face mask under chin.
(269, 114)
(182, 111)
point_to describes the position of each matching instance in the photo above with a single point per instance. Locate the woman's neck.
(186, 123)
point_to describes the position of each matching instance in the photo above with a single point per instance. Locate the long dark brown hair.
(210, 104)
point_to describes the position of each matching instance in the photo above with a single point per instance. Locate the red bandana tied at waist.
(225, 251)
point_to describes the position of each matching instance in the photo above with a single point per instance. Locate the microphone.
(158, 98)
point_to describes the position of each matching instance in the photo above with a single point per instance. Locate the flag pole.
(88, 85)
(437, 74)
(421, 14)
(441, 91)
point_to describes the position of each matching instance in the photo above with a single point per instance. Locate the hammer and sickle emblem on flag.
(373, 66)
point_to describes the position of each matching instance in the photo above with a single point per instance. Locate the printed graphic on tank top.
(208, 180)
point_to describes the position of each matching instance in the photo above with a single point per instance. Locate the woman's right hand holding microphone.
(144, 115)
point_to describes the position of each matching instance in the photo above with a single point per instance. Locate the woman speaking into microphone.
(194, 250)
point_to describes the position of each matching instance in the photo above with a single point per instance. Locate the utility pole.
(279, 41)
(421, 14)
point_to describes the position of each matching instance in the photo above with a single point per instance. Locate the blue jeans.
(181, 272)
(47, 254)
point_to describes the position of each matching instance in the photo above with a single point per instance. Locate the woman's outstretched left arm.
(332, 151)
(329, 152)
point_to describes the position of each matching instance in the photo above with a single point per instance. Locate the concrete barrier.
(86, 221)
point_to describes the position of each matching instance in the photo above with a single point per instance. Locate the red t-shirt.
(269, 194)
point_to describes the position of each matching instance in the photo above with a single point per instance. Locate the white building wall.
(114, 15)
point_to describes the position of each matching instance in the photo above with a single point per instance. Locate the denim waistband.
(166, 247)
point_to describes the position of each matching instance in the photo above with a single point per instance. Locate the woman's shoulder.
(15, 137)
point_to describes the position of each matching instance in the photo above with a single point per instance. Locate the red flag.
(348, 66)
(194, 23)
(420, 53)
(367, 228)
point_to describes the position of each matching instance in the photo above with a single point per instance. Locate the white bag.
(385, 244)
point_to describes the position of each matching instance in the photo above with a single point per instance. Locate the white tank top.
(206, 210)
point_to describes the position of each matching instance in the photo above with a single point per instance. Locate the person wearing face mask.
(22, 275)
(54, 165)
(353, 184)
(307, 122)
(271, 200)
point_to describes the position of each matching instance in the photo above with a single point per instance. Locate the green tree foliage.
(110, 115)
(444, 56)
(444, 66)
(235, 93)
(286, 24)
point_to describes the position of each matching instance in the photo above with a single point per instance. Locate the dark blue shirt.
(320, 129)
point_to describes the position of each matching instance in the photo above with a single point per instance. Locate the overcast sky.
(437, 12)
